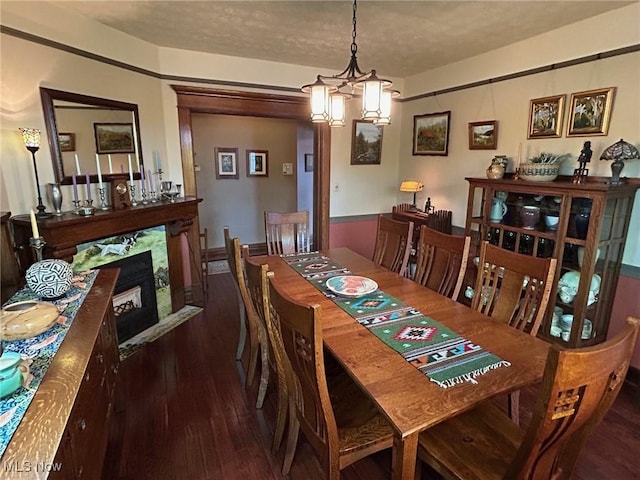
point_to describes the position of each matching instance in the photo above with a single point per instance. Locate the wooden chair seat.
(393, 244)
(576, 392)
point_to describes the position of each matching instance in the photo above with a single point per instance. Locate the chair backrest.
(393, 244)
(442, 261)
(302, 338)
(440, 220)
(578, 388)
(287, 232)
(402, 207)
(513, 287)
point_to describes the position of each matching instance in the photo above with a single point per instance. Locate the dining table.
(410, 401)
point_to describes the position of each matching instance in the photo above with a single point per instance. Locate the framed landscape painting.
(545, 117)
(67, 142)
(590, 112)
(226, 163)
(114, 137)
(366, 144)
(257, 165)
(431, 133)
(483, 135)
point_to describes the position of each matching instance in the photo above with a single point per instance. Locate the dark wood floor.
(183, 413)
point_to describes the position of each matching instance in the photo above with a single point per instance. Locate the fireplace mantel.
(62, 234)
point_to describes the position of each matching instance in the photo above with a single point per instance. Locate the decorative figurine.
(580, 174)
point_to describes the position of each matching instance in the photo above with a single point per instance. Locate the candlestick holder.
(132, 194)
(76, 204)
(159, 173)
(88, 203)
(37, 243)
(143, 195)
(103, 198)
(154, 199)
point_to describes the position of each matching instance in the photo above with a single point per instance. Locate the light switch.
(287, 168)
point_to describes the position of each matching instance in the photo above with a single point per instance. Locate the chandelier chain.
(354, 45)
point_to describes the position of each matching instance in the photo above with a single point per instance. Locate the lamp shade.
(411, 186)
(620, 151)
(30, 137)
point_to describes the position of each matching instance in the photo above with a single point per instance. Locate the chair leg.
(292, 439)
(514, 407)
(243, 328)
(281, 417)
(254, 349)
(264, 373)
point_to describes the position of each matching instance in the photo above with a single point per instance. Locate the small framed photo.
(226, 163)
(545, 117)
(366, 143)
(114, 137)
(431, 133)
(590, 112)
(67, 142)
(257, 163)
(308, 162)
(483, 135)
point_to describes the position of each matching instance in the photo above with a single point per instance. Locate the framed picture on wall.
(431, 133)
(545, 117)
(483, 135)
(308, 162)
(257, 163)
(590, 112)
(114, 137)
(366, 143)
(226, 162)
(67, 142)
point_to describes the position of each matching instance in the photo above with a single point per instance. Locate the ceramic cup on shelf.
(498, 210)
(530, 216)
(551, 221)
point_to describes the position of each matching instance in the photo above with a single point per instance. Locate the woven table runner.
(437, 351)
(37, 352)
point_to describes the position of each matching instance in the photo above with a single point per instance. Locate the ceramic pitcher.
(498, 210)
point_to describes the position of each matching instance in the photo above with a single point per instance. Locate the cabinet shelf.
(591, 215)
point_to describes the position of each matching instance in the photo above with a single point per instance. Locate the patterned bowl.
(539, 172)
(49, 278)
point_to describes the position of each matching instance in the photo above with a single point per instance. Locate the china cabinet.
(583, 225)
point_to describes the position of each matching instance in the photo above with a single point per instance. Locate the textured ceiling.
(397, 38)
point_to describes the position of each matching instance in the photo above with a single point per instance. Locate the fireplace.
(134, 299)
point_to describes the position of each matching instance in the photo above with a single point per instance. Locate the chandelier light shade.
(31, 139)
(328, 99)
(412, 186)
(618, 152)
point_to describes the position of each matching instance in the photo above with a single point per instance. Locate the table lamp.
(31, 139)
(412, 186)
(618, 152)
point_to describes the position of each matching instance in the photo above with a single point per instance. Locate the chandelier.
(328, 95)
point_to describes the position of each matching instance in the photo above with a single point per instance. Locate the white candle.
(78, 172)
(110, 165)
(150, 180)
(99, 171)
(158, 162)
(34, 225)
(519, 153)
(138, 162)
(130, 169)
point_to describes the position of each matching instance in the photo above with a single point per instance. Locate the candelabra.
(31, 139)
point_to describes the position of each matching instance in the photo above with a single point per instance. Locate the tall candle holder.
(37, 243)
(76, 204)
(143, 195)
(154, 199)
(103, 198)
(132, 194)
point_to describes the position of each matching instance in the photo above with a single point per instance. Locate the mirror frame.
(48, 95)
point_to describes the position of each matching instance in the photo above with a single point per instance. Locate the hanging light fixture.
(328, 101)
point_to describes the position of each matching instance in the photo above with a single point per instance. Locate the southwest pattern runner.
(437, 351)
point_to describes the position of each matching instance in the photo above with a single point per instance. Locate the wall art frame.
(483, 135)
(114, 137)
(590, 112)
(546, 116)
(431, 133)
(257, 163)
(366, 143)
(67, 141)
(226, 163)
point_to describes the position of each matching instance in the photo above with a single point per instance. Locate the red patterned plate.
(351, 285)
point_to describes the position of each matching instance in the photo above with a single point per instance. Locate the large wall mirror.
(80, 126)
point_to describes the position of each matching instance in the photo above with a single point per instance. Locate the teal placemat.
(437, 351)
(37, 352)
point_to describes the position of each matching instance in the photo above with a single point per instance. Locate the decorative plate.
(351, 285)
(27, 319)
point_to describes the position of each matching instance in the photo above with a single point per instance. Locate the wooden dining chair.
(258, 287)
(338, 420)
(513, 288)
(441, 261)
(393, 244)
(204, 260)
(249, 319)
(578, 387)
(440, 220)
(287, 232)
(402, 207)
